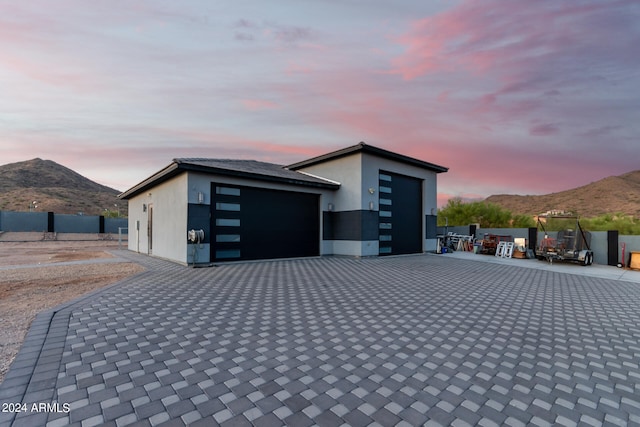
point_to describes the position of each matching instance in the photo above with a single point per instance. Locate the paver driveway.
(385, 341)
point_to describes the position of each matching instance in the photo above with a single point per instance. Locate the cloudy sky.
(514, 96)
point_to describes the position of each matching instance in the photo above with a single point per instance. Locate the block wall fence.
(59, 223)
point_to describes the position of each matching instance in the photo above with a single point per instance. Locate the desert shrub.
(625, 224)
(488, 215)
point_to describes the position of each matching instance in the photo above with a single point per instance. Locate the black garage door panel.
(400, 200)
(254, 223)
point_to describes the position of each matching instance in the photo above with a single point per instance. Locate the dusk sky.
(514, 96)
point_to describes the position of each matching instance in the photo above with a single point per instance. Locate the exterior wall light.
(371, 205)
(330, 207)
(144, 207)
(200, 197)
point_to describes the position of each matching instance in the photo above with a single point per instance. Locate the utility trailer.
(572, 242)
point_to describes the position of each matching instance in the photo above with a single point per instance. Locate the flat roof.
(369, 149)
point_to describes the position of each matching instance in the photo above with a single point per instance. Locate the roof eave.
(365, 148)
(261, 177)
(178, 167)
(163, 175)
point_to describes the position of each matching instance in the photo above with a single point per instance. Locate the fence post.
(612, 247)
(533, 237)
(120, 236)
(51, 228)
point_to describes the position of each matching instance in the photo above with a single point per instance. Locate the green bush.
(488, 215)
(625, 224)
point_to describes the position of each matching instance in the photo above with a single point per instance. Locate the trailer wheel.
(588, 259)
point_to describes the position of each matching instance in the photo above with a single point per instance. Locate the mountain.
(54, 188)
(609, 195)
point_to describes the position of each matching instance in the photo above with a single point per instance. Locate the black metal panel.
(358, 225)
(101, 224)
(472, 229)
(199, 218)
(533, 238)
(431, 226)
(50, 222)
(327, 225)
(612, 247)
(263, 224)
(369, 221)
(400, 215)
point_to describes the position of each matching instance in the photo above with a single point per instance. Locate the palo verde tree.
(488, 215)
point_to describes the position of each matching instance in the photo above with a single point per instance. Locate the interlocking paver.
(401, 340)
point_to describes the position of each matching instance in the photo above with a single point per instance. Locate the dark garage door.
(256, 223)
(400, 214)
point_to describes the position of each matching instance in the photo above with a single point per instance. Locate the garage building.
(358, 201)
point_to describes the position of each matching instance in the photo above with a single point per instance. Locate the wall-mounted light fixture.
(330, 207)
(144, 207)
(372, 190)
(371, 205)
(200, 197)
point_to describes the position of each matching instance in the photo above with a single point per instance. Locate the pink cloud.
(258, 104)
(524, 44)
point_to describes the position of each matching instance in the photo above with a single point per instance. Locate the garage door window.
(227, 222)
(228, 191)
(228, 206)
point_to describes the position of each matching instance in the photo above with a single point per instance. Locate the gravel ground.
(38, 282)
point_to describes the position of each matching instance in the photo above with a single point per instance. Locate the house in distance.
(357, 201)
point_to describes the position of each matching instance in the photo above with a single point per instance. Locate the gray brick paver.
(449, 341)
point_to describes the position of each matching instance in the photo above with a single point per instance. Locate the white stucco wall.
(169, 231)
(348, 172)
(137, 225)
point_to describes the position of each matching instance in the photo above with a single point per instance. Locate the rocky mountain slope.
(54, 188)
(614, 194)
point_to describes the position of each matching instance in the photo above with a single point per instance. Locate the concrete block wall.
(62, 223)
(632, 243)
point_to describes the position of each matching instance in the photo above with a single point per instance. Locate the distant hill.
(609, 195)
(54, 188)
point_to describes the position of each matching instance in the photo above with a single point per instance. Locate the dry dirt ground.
(42, 283)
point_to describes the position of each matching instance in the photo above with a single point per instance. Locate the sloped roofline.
(157, 178)
(369, 149)
(178, 166)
